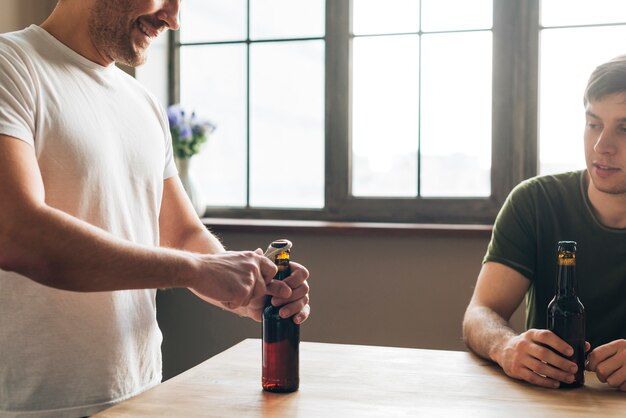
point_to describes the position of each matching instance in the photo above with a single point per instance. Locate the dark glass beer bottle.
(566, 314)
(281, 336)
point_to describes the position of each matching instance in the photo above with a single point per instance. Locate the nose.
(169, 14)
(605, 144)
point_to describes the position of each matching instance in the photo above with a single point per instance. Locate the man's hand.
(528, 357)
(296, 304)
(292, 294)
(241, 281)
(237, 280)
(609, 363)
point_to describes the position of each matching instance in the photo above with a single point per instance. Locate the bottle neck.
(566, 280)
(283, 269)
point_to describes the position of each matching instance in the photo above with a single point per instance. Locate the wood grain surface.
(364, 381)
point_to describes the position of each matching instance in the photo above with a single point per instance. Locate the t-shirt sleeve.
(514, 236)
(17, 96)
(169, 170)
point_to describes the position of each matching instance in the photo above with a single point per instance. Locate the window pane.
(287, 124)
(568, 56)
(385, 116)
(467, 14)
(582, 12)
(212, 20)
(213, 83)
(287, 19)
(391, 16)
(456, 114)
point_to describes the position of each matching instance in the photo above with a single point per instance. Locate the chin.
(609, 187)
(132, 60)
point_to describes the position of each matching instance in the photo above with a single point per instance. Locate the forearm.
(197, 240)
(58, 250)
(485, 332)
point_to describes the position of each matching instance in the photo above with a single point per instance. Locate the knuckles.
(602, 373)
(614, 381)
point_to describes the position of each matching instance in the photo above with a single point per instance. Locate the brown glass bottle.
(566, 314)
(281, 336)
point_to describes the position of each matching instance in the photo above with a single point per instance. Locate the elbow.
(12, 248)
(8, 254)
(467, 324)
(13, 259)
(465, 330)
(17, 254)
(5, 263)
(20, 263)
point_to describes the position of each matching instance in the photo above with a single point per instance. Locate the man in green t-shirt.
(588, 207)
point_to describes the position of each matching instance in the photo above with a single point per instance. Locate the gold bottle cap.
(567, 253)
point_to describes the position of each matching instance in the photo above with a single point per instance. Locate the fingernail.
(284, 313)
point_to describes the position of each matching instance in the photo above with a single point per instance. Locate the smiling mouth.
(150, 33)
(605, 167)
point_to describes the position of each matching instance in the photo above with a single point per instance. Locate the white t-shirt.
(103, 147)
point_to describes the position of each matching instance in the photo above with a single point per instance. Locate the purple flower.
(185, 133)
(175, 115)
(189, 133)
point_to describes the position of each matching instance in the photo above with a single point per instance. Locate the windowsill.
(345, 228)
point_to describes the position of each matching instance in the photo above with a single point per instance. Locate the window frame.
(514, 127)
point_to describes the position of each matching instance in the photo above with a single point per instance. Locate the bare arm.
(181, 228)
(499, 291)
(61, 251)
(486, 331)
(58, 250)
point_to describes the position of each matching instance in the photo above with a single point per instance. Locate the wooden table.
(363, 381)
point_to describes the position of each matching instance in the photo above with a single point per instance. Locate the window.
(415, 71)
(402, 111)
(572, 45)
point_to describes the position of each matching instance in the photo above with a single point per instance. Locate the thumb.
(267, 266)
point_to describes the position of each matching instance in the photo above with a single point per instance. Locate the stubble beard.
(618, 189)
(111, 33)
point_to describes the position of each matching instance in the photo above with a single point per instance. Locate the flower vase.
(194, 194)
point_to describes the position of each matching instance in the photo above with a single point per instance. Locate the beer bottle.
(566, 314)
(281, 336)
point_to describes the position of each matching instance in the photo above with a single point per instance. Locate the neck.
(610, 209)
(69, 23)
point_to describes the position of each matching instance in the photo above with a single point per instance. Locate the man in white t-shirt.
(93, 217)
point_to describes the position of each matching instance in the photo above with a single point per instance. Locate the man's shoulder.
(19, 50)
(567, 183)
(16, 41)
(547, 193)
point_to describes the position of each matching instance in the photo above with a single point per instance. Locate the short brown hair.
(608, 78)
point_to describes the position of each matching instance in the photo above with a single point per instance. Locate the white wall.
(8, 17)
(18, 14)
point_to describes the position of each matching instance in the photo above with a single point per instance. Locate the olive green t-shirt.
(538, 213)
